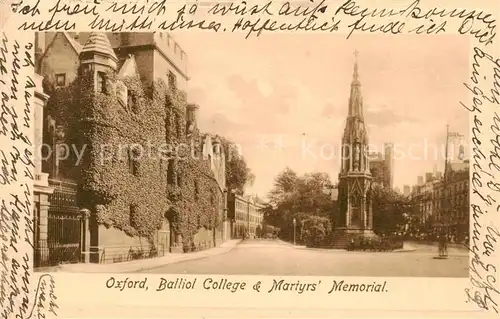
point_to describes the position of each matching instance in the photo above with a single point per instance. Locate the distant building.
(444, 205)
(429, 177)
(420, 180)
(406, 190)
(456, 148)
(246, 215)
(334, 194)
(382, 165)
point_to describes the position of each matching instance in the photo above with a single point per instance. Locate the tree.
(298, 197)
(238, 174)
(313, 191)
(389, 209)
(316, 230)
(284, 184)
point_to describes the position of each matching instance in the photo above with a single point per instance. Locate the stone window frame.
(102, 82)
(59, 76)
(172, 80)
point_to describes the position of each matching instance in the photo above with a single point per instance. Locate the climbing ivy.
(123, 172)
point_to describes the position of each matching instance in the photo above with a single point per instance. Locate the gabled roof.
(127, 66)
(77, 47)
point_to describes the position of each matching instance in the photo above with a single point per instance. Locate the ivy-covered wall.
(130, 176)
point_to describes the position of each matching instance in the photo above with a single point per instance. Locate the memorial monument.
(355, 218)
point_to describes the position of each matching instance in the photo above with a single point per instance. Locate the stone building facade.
(382, 166)
(127, 147)
(246, 215)
(441, 205)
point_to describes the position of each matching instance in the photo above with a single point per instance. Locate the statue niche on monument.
(356, 157)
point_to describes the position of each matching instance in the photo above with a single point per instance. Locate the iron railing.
(116, 254)
(52, 254)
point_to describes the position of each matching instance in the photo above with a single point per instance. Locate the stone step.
(341, 240)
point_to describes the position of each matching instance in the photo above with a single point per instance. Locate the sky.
(283, 98)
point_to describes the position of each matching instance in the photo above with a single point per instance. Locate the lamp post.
(294, 229)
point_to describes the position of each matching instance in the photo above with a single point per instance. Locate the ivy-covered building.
(145, 179)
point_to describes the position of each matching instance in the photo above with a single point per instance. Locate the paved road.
(272, 257)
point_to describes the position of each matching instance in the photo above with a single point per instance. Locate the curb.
(347, 251)
(319, 249)
(186, 257)
(226, 250)
(404, 250)
(176, 262)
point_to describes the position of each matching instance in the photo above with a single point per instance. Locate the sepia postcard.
(305, 159)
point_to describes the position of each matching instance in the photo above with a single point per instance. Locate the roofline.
(53, 39)
(154, 46)
(241, 198)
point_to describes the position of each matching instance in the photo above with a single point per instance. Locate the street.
(274, 257)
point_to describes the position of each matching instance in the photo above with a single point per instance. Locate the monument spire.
(355, 216)
(355, 75)
(356, 100)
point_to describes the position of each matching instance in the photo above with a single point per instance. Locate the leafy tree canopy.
(238, 174)
(299, 197)
(390, 209)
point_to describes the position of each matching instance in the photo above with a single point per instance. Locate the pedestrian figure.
(440, 247)
(445, 246)
(443, 251)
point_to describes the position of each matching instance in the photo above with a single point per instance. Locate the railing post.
(43, 223)
(85, 235)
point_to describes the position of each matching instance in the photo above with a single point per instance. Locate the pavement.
(407, 247)
(143, 264)
(275, 257)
